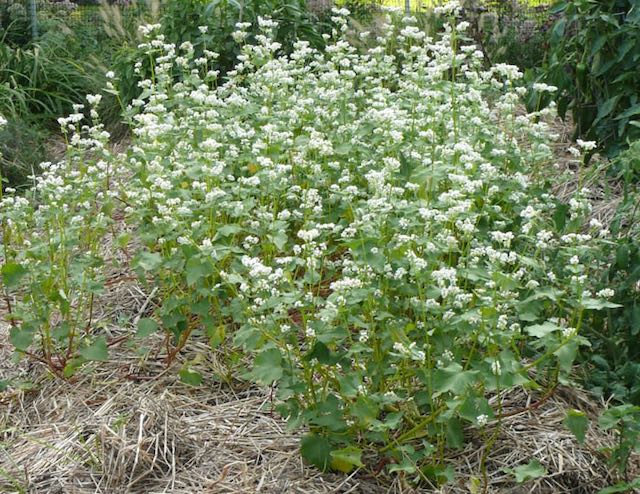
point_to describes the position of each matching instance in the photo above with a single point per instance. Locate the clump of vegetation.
(593, 60)
(208, 26)
(22, 149)
(362, 224)
(517, 39)
(15, 28)
(509, 31)
(612, 367)
(41, 80)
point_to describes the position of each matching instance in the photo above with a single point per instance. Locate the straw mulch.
(568, 174)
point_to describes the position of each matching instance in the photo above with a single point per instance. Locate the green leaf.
(267, 367)
(96, 351)
(406, 466)
(316, 450)
(328, 414)
(201, 308)
(363, 251)
(343, 149)
(301, 141)
(321, 352)
(72, 366)
(621, 487)
(439, 473)
(455, 433)
(149, 261)
(531, 470)
(365, 410)
(196, 269)
(598, 304)
(346, 459)
(123, 240)
(577, 423)
(216, 335)
(558, 30)
(560, 216)
(474, 406)
(558, 7)
(146, 326)
(629, 112)
(542, 330)
(503, 281)
(622, 256)
(542, 293)
(3, 385)
(616, 415)
(279, 239)
(12, 273)
(61, 331)
(597, 45)
(566, 355)
(227, 231)
(452, 378)
(190, 376)
(21, 337)
(607, 107)
(528, 316)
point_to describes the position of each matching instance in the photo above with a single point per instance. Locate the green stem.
(411, 433)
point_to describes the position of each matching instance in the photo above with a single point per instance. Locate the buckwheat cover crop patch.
(366, 226)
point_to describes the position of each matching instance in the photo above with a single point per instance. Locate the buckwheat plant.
(364, 225)
(53, 255)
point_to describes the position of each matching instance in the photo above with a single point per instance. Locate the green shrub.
(360, 224)
(15, 19)
(15, 26)
(43, 80)
(593, 60)
(509, 31)
(626, 167)
(22, 149)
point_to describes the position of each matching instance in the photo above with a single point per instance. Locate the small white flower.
(542, 87)
(94, 99)
(587, 145)
(606, 293)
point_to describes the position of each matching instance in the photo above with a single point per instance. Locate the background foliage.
(593, 60)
